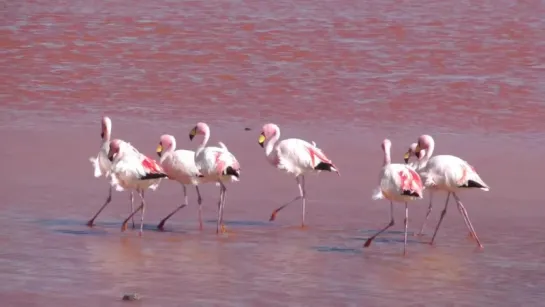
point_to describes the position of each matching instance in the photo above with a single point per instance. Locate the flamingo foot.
(140, 233)
(200, 227)
(223, 229)
(273, 216)
(161, 226)
(124, 227)
(367, 243)
(90, 223)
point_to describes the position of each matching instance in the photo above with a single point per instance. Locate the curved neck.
(428, 152)
(387, 157)
(272, 141)
(204, 142)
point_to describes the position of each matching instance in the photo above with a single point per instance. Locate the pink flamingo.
(294, 156)
(215, 164)
(398, 183)
(450, 174)
(102, 166)
(410, 152)
(133, 170)
(180, 165)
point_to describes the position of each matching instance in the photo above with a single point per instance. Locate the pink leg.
(131, 197)
(441, 218)
(392, 222)
(303, 192)
(199, 201)
(273, 215)
(466, 219)
(427, 215)
(108, 200)
(142, 214)
(220, 209)
(141, 207)
(406, 227)
(163, 221)
(223, 206)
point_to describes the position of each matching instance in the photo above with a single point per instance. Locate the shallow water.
(345, 75)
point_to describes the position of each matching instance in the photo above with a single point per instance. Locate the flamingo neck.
(271, 142)
(387, 157)
(204, 142)
(428, 153)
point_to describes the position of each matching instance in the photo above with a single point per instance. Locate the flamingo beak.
(261, 139)
(102, 135)
(159, 150)
(417, 151)
(407, 156)
(192, 133)
(111, 157)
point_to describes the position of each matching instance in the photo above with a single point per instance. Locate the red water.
(345, 74)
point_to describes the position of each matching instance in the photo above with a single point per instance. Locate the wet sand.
(345, 75)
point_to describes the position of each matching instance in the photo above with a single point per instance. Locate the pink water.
(345, 74)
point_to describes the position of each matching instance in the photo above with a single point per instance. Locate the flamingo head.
(115, 148)
(166, 143)
(410, 151)
(200, 128)
(268, 131)
(106, 127)
(424, 143)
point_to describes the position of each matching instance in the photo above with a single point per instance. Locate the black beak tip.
(406, 160)
(261, 144)
(191, 136)
(159, 154)
(111, 159)
(102, 135)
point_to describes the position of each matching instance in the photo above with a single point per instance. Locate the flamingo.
(133, 170)
(447, 173)
(102, 165)
(296, 157)
(414, 165)
(398, 183)
(179, 165)
(215, 164)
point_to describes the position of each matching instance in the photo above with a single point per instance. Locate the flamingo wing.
(150, 169)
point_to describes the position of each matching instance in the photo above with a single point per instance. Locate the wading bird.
(180, 166)
(102, 165)
(215, 164)
(446, 173)
(398, 183)
(133, 171)
(296, 157)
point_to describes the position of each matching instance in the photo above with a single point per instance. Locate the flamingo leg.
(220, 207)
(131, 198)
(406, 221)
(303, 192)
(142, 214)
(108, 200)
(466, 218)
(222, 225)
(427, 215)
(141, 207)
(163, 221)
(392, 222)
(273, 215)
(441, 218)
(199, 201)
